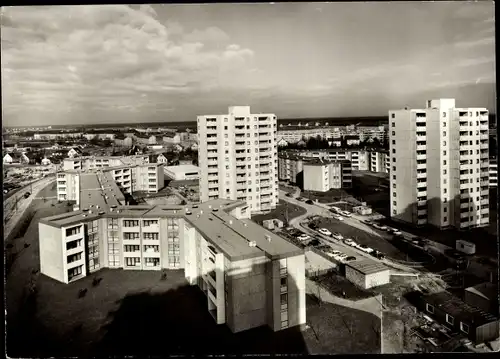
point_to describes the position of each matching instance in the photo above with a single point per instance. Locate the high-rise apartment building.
(238, 158)
(439, 165)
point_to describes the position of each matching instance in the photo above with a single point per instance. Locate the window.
(74, 272)
(444, 124)
(393, 142)
(147, 223)
(444, 143)
(150, 236)
(393, 150)
(113, 223)
(151, 248)
(394, 133)
(464, 327)
(445, 219)
(393, 194)
(130, 223)
(394, 168)
(284, 298)
(393, 177)
(444, 162)
(429, 308)
(133, 261)
(74, 257)
(444, 114)
(394, 124)
(73, 244)
(444, 172)
(394, 159)
(130, 235)
(393, 115)
(72, 231)
(132, 248)
(444, 133)
(445, 190)
(394, 211)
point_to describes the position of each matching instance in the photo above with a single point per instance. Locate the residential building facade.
(493, 172)
(439, 165)
(238, 160)
(322, 176)
(250, 276)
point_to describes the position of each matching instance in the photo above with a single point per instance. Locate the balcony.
(422, 184)
(421, 175)
(421, 147)
(483, 136)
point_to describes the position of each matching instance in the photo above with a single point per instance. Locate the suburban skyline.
(153, 63)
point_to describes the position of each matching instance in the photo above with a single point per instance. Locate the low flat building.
(250, 276)
(321, 176)
(483, 296)
(183, 172)
(367, 273)
(478, 325)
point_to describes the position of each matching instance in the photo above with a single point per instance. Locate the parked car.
(338, 217)
(27, 194)
(309, 201)
(346, 213)
(301, 199)
(288, 195)
(397, 232)
(350, 258)
(325, 231)
(338, 236)
(334, 252)
(377, 254)
(335, 209)
(303, 237)
(342, 256)
(348, 240)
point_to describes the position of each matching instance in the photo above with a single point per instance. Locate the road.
(13, 215)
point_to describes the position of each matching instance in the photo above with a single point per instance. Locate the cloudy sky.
(115, 64)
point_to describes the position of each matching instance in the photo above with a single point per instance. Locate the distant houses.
(16, 158)
(74, 152)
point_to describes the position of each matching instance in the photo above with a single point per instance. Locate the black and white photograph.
(260, 178)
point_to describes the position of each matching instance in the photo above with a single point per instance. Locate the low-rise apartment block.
(250, 276)
(131, 174)
(314, 174)
(322, 176)
(361, 160)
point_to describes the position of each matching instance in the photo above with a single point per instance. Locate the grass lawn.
(133, 313)
(337, 285)
(332, 195)
(340, 330)
(365, 187)
(279, 212)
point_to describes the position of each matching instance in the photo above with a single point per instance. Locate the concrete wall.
(51, 252)
(296, 290)
(314, 178)
(249, 293)
(377, 279)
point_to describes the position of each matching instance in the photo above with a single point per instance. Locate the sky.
(65, 65)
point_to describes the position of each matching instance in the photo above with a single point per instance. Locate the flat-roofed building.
(321, 176)
(250, 276)
(183, 172)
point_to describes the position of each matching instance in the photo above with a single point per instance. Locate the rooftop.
(486, 290)
(461, 311)
(367, 266)
(183, 168)
(227, 233)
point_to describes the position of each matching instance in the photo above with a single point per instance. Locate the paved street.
(11, 215)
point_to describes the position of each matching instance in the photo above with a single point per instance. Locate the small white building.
(45, 161)
(367, 273)
(282, 143)
(362, 210)
(74, 152)
(183, 172)
(465, 247)
(16, 157)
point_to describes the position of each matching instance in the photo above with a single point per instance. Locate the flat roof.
(460, 310)
(367, 266)
(228, 234)
(183, 168)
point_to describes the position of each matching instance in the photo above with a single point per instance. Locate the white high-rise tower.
(439, 165)
(238, 158)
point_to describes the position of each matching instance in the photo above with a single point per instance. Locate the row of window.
(449, 319)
